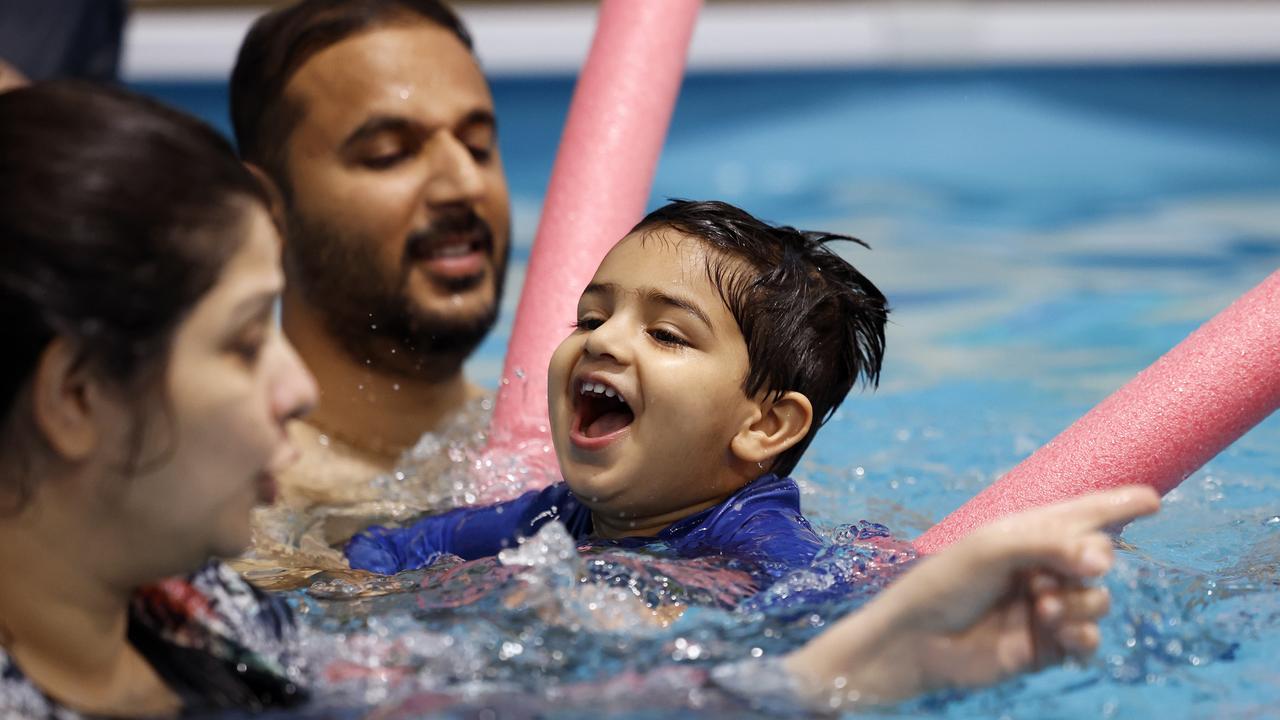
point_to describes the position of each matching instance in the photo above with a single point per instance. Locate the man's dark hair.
(281, 41)
(811, 321)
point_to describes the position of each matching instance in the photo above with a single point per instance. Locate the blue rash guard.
(760, 524)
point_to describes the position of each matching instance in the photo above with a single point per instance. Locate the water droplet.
(323, 440)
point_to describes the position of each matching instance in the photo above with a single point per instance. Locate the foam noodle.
(599, 186)
(1156, 430)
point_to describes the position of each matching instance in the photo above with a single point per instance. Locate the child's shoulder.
(762, 520)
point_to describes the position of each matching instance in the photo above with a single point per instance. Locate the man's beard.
(369, 312)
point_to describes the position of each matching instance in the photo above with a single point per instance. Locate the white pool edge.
(552, 38)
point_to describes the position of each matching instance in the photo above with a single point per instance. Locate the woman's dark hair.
(117, 215)
(282, 40)
(812, 323)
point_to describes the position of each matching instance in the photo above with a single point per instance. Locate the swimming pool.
(1043, 234)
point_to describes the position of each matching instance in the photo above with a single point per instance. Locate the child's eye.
(666, 337)
(587, 323)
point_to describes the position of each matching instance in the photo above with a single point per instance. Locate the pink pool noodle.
(1156, 430)
(599, 185)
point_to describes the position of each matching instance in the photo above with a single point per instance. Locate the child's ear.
(781, 424)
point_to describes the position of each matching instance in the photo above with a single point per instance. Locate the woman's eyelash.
(249, 350)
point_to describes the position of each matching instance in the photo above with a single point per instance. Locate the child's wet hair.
(812, 323)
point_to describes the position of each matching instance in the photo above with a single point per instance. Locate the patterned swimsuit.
(215, 640)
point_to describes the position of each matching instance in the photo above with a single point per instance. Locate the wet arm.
(469, 533)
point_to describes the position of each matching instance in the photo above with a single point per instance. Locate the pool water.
(1043, 235)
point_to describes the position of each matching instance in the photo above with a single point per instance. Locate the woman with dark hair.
(144, 390)
(143, 393)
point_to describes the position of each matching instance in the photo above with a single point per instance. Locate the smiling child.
(708, 350)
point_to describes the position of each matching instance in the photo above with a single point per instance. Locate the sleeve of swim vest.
(763, 524)
(469, 533)
(777, 538)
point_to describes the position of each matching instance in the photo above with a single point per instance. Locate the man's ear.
(780, 424)
(64, 396)
(275, 200)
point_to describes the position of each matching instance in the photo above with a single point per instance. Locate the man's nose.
(455, 176)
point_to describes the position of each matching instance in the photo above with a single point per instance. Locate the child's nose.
(608, 340)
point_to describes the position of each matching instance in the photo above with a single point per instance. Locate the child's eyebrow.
(657, 296)
(654, 295)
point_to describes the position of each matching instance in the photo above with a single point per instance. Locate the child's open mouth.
(600, 412)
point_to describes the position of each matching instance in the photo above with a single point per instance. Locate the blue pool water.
(1043, 234)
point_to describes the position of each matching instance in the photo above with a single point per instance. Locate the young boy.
(708, 350)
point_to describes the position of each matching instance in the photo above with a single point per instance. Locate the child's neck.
(613, 527)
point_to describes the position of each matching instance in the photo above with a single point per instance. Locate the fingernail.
(1095, 561)
(1051, 608)
(1043, 584)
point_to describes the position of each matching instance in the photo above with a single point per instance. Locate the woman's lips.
(268, 487)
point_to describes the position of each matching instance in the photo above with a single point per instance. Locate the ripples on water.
(546, 627)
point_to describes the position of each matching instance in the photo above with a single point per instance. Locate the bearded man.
(374, 121)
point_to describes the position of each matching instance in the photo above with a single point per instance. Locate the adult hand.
(1009, 598)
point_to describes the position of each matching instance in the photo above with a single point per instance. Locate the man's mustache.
(468, 227)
